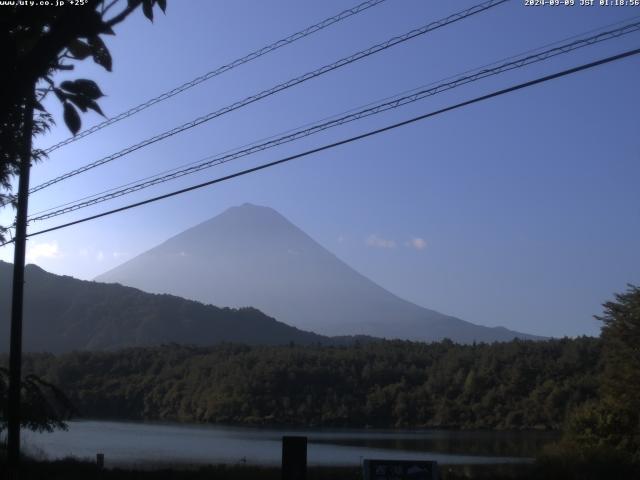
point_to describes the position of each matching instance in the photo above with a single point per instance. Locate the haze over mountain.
(253, 256)
(62, 314)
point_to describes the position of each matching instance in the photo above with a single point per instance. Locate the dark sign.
(400, 470)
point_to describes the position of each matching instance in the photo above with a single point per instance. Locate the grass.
(562, 467)
(74, 469)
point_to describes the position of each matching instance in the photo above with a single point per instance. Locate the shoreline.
(126, 444)
(319, 428)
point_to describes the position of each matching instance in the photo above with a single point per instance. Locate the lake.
(125, 443)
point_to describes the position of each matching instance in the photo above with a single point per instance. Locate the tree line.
(513, 385)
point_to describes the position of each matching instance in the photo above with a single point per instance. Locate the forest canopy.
(513, 385)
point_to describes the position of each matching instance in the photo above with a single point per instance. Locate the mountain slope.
(251, 255)
(63, 313)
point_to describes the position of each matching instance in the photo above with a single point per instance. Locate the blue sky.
(522, 211)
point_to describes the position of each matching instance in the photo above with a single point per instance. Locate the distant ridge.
(252, 256)
(63, 314)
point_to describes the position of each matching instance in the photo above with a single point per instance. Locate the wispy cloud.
(100, 256)
(418, 243)
(36, 251)
(376, 241)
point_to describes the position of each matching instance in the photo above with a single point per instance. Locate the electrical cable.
(220, 70)
(215, 160)
(488, 96)
(280, 87)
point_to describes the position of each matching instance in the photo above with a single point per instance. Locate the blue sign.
(400, 470)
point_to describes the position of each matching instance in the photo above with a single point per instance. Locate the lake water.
(125, 443)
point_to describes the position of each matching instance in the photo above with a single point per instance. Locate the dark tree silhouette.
(44, 406)
(621, 337)
(37, 42)
(621, 380)
(607, 429)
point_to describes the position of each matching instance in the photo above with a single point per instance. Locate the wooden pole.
(294, 458)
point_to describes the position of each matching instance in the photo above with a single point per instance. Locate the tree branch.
(108, 7)
(123, 14)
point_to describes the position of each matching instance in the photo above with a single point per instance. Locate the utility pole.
(15, 349)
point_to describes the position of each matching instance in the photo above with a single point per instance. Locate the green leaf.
(79, 49)
(163, 5)
(147, 9)
(92, 24)
(80, 102)
(93, 105)
(71, 118)
(106, 29)
(100, 52)
(68, 86)
(89, 88)
(60, 94)
(84, 87)
(84, 103)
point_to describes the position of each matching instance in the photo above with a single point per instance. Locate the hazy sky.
(523, 211)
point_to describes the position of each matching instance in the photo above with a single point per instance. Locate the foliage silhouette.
(38, 42)
(44, 406)
(608, 427)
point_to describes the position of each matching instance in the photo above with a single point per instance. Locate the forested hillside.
(64, 314)
(519, 384)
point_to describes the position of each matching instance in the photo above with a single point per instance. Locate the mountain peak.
(250, 207)
(251, 255)
(246, 227)
(248, 212)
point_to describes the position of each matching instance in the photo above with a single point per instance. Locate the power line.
(390, 97)
(211, 161)
(220, 70)
(413, 90)
(280, 87)
(488, 96)
(354, 109)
